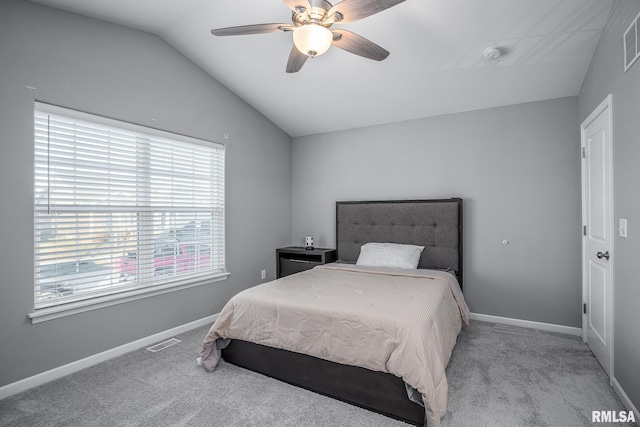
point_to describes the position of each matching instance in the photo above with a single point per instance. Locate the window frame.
(131, 293)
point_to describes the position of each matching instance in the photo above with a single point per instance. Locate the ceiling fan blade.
(296, 60)
(351, 42)
(252, 29)
(298, 5)
(352, 10)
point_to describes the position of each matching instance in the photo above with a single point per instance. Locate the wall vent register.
(631, 40)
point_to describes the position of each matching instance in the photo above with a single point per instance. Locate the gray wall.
(125, 74)
(518, 170)
(606, 76)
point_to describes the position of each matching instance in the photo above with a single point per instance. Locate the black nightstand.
(294, 259)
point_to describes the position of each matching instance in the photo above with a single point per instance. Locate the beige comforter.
(403, 322)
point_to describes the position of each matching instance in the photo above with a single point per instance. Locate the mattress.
(403, 322)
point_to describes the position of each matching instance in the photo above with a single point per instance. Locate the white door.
(597, 241)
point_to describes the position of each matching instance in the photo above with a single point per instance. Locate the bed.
(366, 334)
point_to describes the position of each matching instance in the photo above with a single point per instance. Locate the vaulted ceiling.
(435, 64)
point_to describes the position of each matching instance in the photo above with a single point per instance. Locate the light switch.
(622, 227)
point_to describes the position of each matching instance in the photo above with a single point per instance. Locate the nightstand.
(294, 259)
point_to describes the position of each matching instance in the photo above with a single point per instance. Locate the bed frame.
(435, 224)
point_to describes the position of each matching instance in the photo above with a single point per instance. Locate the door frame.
(607, 105)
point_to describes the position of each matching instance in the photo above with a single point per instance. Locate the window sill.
(56, 312)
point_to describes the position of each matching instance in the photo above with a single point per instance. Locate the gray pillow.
(389, 255)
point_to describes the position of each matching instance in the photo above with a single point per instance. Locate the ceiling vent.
(631, 43)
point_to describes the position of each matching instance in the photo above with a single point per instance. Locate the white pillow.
(389, 255)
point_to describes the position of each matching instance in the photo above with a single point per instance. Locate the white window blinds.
(119, 207)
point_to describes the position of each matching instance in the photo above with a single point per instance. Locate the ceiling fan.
(310, 23)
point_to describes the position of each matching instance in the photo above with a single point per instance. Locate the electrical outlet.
(263, 274)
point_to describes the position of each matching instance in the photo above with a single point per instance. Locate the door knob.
(601, 255)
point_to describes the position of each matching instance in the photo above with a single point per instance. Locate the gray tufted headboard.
(434, 224)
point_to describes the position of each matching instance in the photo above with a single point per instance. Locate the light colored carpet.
(498, 376)
(508, 376)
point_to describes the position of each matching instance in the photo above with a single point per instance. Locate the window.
(121, 208)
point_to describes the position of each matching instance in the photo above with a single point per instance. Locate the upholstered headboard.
(434, 224)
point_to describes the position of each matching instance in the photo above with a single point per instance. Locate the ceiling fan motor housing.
(317, 14)
(324, 4)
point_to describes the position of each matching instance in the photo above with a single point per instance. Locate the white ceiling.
(435, 66)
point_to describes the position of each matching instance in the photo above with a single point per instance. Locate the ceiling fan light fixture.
(312, 39)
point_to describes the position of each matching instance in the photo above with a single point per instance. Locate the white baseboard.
(625, 399)
(61, 371)
(527, 324)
